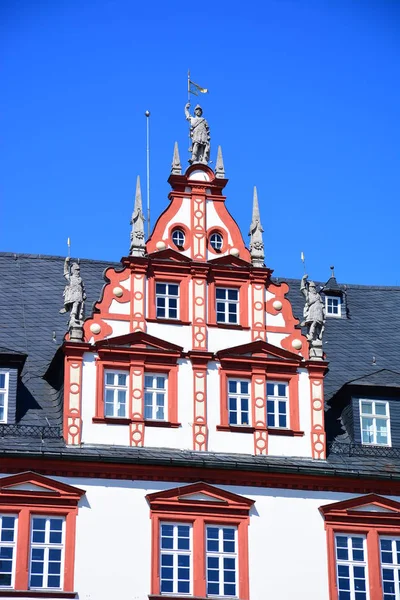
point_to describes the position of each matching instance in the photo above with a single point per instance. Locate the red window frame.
(56, 500)
(232, 283)
(352, 517)
(182, 279)
(222, 508)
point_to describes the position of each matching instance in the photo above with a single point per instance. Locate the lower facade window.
(390, 563)
(277, 405)
(176, 558)
(46, 556)
(115, 393)
(155, 397)
(227, 305)
(239, 401)
(351, 557)
(8, 525)
(167, 297)
(221, 560)
(375, 422)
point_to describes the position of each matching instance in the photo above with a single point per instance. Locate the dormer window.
(375, 422)
(216, 242)
(4, 378)
(178, 237)
(333, 306)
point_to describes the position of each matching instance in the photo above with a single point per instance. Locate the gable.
(32, 487)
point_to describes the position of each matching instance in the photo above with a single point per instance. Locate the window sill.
(36, 594)
(123, 421)
(236, 428)
(285, 432)
(168, 321)
(162, 424)
(188, 596)
(112, 420)
(229, 326)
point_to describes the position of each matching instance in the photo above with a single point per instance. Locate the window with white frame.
(175, 558)
(4, 378)
(8, 538)
(239, 401)
(333, 306)
(47, 552)
(178, 237)
(167, 300)
(277, 405)
(216, 242)
(115, 393)
(155, 396)
(390, 567)
(221, 560)
(375, 422)
(351, 567)
(227, 305)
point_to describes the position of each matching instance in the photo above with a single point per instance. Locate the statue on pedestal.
(74, 299)
(314, 317)
(200, 136)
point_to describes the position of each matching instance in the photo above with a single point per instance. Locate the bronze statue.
(200, 136)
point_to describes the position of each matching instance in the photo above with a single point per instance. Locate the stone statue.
(200, 136)
(74, 295)
(314, 317)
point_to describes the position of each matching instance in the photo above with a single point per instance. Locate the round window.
(216, 241)
(178, 237)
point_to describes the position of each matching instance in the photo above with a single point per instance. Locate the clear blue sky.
(304, 99)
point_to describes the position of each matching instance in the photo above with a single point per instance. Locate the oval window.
(178, 237)
(216, 241)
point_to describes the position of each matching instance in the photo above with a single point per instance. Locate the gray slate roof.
(365, 344)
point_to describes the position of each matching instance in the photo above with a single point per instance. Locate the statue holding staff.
(199, 134)
(314, 310)
(74, 293)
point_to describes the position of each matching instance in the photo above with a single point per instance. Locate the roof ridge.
(16, 255)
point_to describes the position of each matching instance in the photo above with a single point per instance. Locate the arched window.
(178, 237)
(216, 241)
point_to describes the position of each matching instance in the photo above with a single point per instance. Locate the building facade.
(188, 439)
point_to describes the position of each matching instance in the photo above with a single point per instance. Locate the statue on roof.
(199, 134)
(314, 317)
(74, 297)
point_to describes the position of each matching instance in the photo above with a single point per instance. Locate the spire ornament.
(219, 165)
(255, 233)
(138, 247)
(176, 161)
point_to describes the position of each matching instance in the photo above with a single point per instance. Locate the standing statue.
(314, 316)
(74, 295)
(200, 136)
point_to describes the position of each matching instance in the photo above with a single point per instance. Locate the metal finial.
(332, 268)
(176, 161)
(219, 166)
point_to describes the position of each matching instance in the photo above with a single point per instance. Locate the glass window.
(155, 396)
(239, 401)
(216, 241)
(390, 566)
(221, 560)
(47, 552)
(333, 306)
(277, 405)
(8, 538)
(375, 422)
(3, 395)
(178, 237)
(227, 305)
(167, 300)
(115, 393)
(351, 567)
(175, 558)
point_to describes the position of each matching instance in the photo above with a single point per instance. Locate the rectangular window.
(47, 553)
(333, 306)
(351, 565)
(277, 405)
(390, 564)
(115, 393)
(239, 401)
(167, 300)
(175, 558)
(227, 305)
(155, 397)
(8, 539)
(221, 561)
(3, 396)
(375, 422)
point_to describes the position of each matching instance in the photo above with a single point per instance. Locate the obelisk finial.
(219, 165)
(176, 161)
(138, 247)
(255, 233)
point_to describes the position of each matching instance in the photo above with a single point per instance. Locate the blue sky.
(304, 100)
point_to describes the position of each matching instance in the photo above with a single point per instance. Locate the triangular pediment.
(33, 485)
(197, 495)
(170, 255)
(228, 260)
(259, 348)
(139, 339)
(366, 507)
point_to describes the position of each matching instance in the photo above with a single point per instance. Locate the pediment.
(198, 495)
(32, 485)
(261, 349)
(370, 507)
(171, 255)
(140, 340)
(228, 260)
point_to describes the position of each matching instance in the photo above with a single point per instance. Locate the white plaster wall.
(176, 334)
(120, 308)
(287, 541)
(118, 327)
(214, 220)
(218, 339)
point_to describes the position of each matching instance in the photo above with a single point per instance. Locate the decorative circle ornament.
(297, 344)
(161, 246)
(95, 328)
(277, 304)
(118, 291)
(234, 252)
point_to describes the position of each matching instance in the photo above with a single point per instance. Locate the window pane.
(380, 408)
(2, 380)
(109, 378)
(281, 389)
(121, 379)
(270, 389)
(366, 408)
(232, 294)
(161, 288)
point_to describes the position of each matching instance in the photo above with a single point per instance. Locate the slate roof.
(363, 347)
